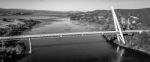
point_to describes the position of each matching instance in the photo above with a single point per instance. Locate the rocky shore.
(129, 19)
(136, 41)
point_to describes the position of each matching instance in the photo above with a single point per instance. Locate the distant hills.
(4, 12)
(143, 14)
(140, 16)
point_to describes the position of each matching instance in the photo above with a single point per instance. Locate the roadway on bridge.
(67, 34)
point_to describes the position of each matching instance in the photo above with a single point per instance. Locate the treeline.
(98, 16)
(142, 14)
(13, 13)
(11, 29)
(6, 12)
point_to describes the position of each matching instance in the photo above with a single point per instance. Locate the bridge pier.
(3, 44)
(30, 46)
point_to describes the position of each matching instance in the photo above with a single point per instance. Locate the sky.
(74, 5)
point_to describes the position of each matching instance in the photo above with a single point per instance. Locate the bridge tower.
(120, 36)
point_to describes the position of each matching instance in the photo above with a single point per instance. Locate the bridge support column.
(3, 46)
(30, 46)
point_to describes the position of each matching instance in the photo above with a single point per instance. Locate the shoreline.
(16, 48)
(140, 50)
(131, 45)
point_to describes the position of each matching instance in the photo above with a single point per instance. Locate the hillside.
(136, 17)
(6, 12)
(129, 19)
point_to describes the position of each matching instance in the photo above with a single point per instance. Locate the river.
(88, 48)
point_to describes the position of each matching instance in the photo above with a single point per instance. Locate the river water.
(88, 48)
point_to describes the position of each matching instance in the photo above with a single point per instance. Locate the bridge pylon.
(120, 36)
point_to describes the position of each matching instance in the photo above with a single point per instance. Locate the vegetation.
(2, 31)
(130, 19)
(14, 48)
(138, 18)
(9, 12)
(12, 29)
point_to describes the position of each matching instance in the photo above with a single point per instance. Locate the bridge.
(117, 31)
(68, 34)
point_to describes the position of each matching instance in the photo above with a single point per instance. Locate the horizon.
(72, 10)
(73, 5)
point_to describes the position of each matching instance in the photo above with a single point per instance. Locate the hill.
(136, 17)
(6, 12)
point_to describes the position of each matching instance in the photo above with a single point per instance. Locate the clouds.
(64, 5)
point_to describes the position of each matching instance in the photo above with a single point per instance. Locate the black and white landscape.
(22, 22)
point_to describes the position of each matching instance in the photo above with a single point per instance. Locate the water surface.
(91, 48)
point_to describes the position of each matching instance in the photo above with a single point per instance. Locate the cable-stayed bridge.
(67, 34)
(117, 31)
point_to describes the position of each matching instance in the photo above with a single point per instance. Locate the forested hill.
(142, 14)
(5, 12)
(137, 16)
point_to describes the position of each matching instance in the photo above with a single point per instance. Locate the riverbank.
(18, 28)
(11, 27)
(129, 20)
(136, 41)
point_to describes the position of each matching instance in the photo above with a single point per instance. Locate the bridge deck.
(67, 34)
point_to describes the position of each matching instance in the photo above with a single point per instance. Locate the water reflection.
(88, 25)
(120, 52)
(129, 55)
